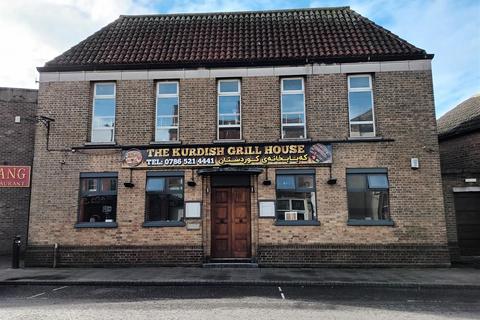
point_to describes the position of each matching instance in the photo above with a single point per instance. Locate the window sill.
(226, 141)
(297, 223)
(294, 140)
(365, 139)
(154, 224)
(96, 225)
(360, 222)
(166, 142)
(100, 143)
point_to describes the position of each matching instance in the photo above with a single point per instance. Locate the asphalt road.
(243, 302)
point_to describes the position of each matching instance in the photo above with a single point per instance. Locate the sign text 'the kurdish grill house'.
(14, 176)
(233, 155)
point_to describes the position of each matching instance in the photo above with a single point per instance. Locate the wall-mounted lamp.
(129, 184)
(266, 182)
(331, 180)
(191, 182)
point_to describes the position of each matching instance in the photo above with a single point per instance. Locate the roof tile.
(237, 38)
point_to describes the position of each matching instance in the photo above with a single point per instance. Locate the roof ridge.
(234, 12)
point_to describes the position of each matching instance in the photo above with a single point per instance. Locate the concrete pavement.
(466, 277)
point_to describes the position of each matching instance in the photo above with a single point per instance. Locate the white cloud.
(449, 29)
(187, 6)
(34, 32)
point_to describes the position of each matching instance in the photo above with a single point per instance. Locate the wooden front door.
(231, 222)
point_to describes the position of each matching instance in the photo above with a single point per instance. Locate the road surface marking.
(60, 288)
(281, 293)
(36, 295)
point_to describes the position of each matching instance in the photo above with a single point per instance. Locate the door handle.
(223, 221)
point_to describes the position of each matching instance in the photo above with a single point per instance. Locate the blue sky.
(35, 31)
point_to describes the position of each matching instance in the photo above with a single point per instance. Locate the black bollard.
(17, 242)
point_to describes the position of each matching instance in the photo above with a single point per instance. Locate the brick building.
(459, 139)
(285, 138)
(17, 129)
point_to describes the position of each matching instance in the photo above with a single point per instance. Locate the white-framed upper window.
(293, 108)
(166, 115)
(229, 110)
(360, 106)
(103, 112)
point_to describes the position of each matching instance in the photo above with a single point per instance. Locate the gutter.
(233, 63)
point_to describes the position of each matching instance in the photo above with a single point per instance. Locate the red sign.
(14, 176)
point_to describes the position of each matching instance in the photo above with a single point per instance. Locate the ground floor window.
(164, 197)
(98, 197)
(295, 194)
(368, 194)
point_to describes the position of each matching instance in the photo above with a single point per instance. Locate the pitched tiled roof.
(462, 119)
(236, 39)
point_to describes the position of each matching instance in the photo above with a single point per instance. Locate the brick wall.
(404, 112)
(16, 148)
(460, 159)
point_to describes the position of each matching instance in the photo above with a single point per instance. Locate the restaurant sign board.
(14, 176)
(228, 155)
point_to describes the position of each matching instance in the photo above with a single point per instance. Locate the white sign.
(267, 209)
(192, 209)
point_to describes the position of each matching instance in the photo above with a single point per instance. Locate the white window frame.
(286, 92)
(95, 97)
(370, 88)
(226, 94)
(167, 95)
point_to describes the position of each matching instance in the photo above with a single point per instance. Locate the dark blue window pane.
(361, 130)
(104, 108)
(102, 89)
(292, 118)
(377, 181)
(229, 104)
(359, 82)
(102, 122)
(360, 106)
(286, 182)
(229, 120)
(293, 132)
(167, 107)
(155, 184)
(292, 103)
(292, 84)
(167, 88)
(228, 86)
(356, 182)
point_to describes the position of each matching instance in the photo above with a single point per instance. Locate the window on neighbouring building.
(293, 108)
(367, 194)
(229, 110)
(360, 101)
(167, 111)
(98, 197)
(164, 198)
(103, 113)
(295, 195)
